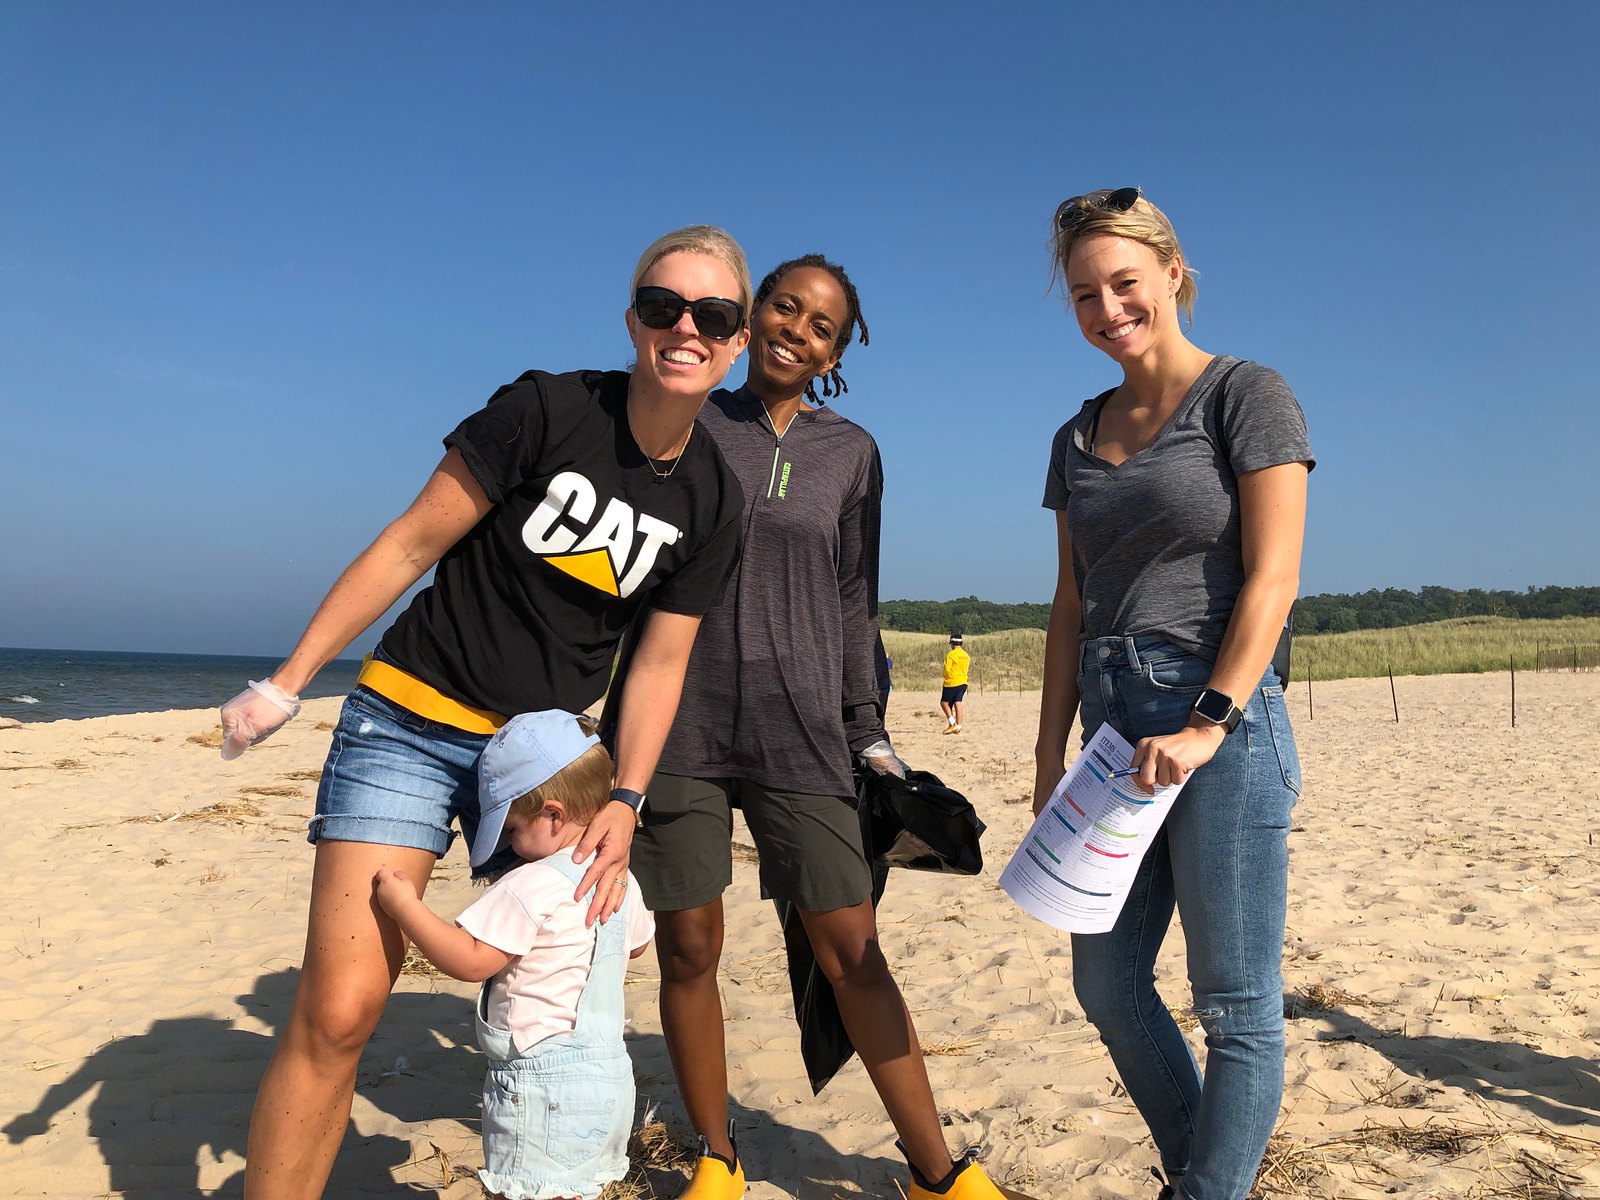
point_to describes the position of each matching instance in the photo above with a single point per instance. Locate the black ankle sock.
(944, 1185)
(731, 1161)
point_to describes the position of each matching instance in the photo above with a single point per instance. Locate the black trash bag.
(916, 823)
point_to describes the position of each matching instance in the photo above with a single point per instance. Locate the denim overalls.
(556, 1118)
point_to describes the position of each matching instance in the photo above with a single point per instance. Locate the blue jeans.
(1222, 858)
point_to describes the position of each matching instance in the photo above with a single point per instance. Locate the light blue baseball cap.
(527, 750)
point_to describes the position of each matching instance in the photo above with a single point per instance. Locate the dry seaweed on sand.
(1287, 1168)
(651, 1148)
(1290, 1166)
(651, 1145)
(211, 739)
(222, 810)
(274, 789)
(948, 1046)
(1323, 997)
(450, 1172)
(416, 963)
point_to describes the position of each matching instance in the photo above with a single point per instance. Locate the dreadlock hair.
(833, 383)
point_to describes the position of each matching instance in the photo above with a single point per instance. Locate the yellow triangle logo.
(593, 568)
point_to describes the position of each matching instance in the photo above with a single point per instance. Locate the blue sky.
(255, 260)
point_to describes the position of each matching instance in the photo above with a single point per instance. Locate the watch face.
(1214, 706)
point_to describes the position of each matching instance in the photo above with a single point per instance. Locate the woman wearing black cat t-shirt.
(556, 511)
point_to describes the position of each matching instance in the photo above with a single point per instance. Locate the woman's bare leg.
(353, 954)
(688, 950)
(845, 941)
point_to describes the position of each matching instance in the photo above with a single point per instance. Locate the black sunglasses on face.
(714, 317)
(1074, 210)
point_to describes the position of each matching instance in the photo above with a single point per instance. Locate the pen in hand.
(1125, 773)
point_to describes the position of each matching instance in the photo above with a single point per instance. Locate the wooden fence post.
(1393, 699)
(1513, 691)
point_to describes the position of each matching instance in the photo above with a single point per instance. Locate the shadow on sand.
(154, 1120)
(1561, 1091)
(180, 1093)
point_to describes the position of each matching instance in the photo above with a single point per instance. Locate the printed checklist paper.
(1074, 868)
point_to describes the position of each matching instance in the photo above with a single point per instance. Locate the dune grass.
(1465, 646)
(1011, 661)
(1006, 661)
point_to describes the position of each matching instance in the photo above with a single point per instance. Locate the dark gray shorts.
(809, 846)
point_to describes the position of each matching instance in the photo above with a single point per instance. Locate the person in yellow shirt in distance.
(956, 665)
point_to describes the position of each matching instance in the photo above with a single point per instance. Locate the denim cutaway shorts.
(396, 779)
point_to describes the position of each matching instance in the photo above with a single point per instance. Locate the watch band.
(633, 799)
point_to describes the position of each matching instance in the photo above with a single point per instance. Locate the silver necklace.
(663, 476)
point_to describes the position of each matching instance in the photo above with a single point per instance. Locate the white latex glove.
(254, 715)
(880, 756)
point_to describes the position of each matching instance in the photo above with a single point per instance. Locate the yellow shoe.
(715, 1178)
(966, 1181)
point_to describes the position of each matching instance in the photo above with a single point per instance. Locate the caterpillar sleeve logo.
(612, 554)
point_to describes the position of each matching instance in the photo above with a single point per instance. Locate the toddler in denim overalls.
(558, 1094)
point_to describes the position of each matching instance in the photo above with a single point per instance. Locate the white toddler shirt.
(529, 912)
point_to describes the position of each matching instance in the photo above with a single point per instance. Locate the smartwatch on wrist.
(633, 799)
(1218, 708)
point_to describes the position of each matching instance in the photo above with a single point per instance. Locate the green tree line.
(967, 614)
(1334, 612)
(1328, 612)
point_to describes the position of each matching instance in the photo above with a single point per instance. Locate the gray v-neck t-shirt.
(1156, 548)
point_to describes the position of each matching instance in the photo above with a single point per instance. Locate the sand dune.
(1443, 968)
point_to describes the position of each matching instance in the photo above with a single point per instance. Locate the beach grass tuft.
(1464, 646)
(1006, 661)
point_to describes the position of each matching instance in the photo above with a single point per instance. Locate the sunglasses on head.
(1076, 209)
(715, 317)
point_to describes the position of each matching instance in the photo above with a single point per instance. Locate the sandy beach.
(1442, 970)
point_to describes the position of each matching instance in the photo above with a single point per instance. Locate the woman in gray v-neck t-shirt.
(1180, 507)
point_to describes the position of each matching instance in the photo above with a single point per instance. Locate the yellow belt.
(410, 692)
